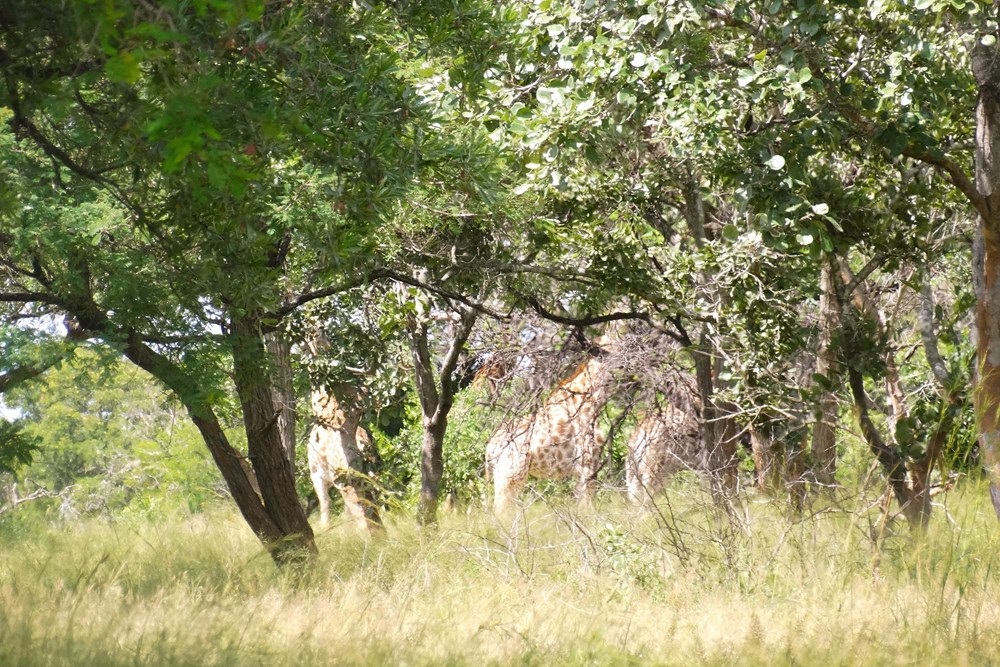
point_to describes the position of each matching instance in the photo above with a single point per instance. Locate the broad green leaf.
(893, 139)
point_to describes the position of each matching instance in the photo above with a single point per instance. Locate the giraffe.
(339, 451)
(666, 440)
(560, 440)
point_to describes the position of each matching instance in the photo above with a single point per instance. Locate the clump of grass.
(684, 583)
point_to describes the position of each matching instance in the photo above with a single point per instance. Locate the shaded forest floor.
(556, 585)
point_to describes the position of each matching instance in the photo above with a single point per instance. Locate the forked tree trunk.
(886, 454)
(288, 539)
(271, 507)
(265, 449)
(437, 394)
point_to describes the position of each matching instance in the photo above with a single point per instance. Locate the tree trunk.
(986, 69)
(283, 391)
(431, 470)
(987, 395)
(266, 451)
(719, 432)
(824, 439)
(272, 511)
(437, 395)
(285, 546)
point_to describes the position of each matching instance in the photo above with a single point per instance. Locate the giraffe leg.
(509, 475)
(586, 485)
(323, 494)
(506, 492)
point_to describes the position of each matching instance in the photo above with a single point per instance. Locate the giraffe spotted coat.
(561, 440)
(334, 456)
(667, 440)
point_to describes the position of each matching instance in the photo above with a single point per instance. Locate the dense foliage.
(438, 208)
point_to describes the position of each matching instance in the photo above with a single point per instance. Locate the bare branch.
(862, 275)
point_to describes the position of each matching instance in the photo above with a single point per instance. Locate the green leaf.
(549, 96)
(626, 98)
(809, 28)
(777, 163)
(731, 233)
(123, 67)
(893, 139)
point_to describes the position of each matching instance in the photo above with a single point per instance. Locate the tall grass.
(684, 583)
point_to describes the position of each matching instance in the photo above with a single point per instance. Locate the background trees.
(784, 192)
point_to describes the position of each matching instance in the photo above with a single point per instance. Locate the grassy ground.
(685, 585)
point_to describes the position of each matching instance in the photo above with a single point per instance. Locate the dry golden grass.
(552, 586)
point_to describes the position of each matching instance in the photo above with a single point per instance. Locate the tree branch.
(375, 276)
(586, 321)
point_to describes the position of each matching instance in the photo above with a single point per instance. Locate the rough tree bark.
(283, 391)
(287, 543)
(824, 439)
(986, 70)
(266, 451)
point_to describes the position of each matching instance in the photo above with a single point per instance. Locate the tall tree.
(195, 155)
